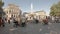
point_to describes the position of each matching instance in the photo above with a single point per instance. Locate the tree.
(1, 10)
(1, 3)
(55, 9)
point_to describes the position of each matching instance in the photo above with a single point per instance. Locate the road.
(31, 28)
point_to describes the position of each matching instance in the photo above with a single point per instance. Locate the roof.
(40, 11)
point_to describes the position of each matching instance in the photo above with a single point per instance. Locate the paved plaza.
(31, 28)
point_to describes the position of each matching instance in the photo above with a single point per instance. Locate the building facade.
(39, 15)
(12, 12)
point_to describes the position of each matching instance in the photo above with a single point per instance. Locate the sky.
(25, 5)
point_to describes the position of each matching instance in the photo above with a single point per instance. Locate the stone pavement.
(31, 28)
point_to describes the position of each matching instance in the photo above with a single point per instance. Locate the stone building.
(13, 12)
(29, 16)
(36, 15)
(40, 15)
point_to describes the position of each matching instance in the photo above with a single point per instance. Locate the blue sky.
(37, 4)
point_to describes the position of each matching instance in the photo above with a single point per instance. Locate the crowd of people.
(16, 24)
(23, 22)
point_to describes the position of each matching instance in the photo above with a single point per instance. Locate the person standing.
(36, 20)
(0, 21)
(23, 22)
(9, 21)
(3, 22)
(15, 23)
(45, 21)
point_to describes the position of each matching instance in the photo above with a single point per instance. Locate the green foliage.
(55, 9)
(1, 10)
(1, 3)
